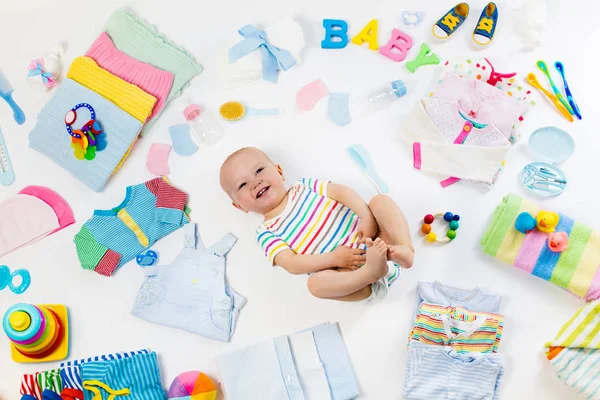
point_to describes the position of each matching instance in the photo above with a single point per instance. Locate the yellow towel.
(128, 97)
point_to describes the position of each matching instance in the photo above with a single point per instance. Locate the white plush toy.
(278, 46)
(45, 71)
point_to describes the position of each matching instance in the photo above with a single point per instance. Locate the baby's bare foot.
(376, 259)
(402, 255)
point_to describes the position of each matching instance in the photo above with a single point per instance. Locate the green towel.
(141, 41)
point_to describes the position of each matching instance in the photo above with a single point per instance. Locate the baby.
(321, 228)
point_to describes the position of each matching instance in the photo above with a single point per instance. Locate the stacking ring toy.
(37, 333)
(6, 279)
(452, 224)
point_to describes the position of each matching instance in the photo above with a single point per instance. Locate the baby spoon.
(561, 69)
(544, 68)
(532, 80)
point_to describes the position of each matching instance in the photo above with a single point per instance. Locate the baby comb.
(7, 173)
(532, 80)
(561, 69)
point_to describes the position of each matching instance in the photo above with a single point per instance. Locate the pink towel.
(152, 80)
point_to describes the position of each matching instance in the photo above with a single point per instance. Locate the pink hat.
(32, 214)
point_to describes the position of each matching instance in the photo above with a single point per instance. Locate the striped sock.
(393, 274)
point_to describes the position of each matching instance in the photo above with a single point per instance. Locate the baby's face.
(253, 182)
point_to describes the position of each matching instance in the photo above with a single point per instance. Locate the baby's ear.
(280, 171)
(236, 205)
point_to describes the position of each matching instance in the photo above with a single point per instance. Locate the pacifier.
(147, 259)
(412, 18)
(7, 278)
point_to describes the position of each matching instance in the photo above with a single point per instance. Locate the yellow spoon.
(532, 80)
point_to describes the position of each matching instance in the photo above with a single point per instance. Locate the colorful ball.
(192, 385)
(426, 228)
(451, 234)
(456, 217)
(428, 219)
(431, 237)
(448, 216)
(453, 225)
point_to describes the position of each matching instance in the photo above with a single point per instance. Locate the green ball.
(451, 234)
(453, 225)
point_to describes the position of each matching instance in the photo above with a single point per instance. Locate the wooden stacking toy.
(37, 333)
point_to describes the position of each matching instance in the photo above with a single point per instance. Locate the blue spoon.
(561, 69)
(361, 157)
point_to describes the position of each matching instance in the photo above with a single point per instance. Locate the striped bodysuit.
(111, 238)
(311, 223)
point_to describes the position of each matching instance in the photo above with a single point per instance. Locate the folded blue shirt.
(314, 361)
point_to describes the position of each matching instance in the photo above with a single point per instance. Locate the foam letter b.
(400, 42)
(335, 28)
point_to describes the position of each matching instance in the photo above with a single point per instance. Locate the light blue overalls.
(191, 293)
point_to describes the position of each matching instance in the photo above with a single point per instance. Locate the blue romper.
(191, 293)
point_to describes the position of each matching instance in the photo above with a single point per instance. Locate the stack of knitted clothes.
(464, 129)
(127, 77)
(453, 346)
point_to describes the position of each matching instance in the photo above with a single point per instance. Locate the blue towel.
(50, 137)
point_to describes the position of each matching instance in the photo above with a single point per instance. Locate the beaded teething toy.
(90, 138)
(452, 224)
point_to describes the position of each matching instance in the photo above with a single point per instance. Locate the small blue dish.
(551, 144)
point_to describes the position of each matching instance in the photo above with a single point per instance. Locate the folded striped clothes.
(577, 269)
(70, 370)
(574, 352)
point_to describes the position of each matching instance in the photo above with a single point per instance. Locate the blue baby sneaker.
(486, 26)
(451, 21)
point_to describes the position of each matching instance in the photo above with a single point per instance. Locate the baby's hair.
(232, 156)
(244, 149)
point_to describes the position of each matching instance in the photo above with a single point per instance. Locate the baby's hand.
(345, 257)
(367, 228)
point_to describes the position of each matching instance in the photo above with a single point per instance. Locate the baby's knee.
(379, 200)
(315, 287)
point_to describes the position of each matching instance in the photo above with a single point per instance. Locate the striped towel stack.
(574, 352)
(66, 380)
(577, 269)
(453, 351)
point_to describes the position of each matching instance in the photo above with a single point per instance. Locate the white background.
(306, 144)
